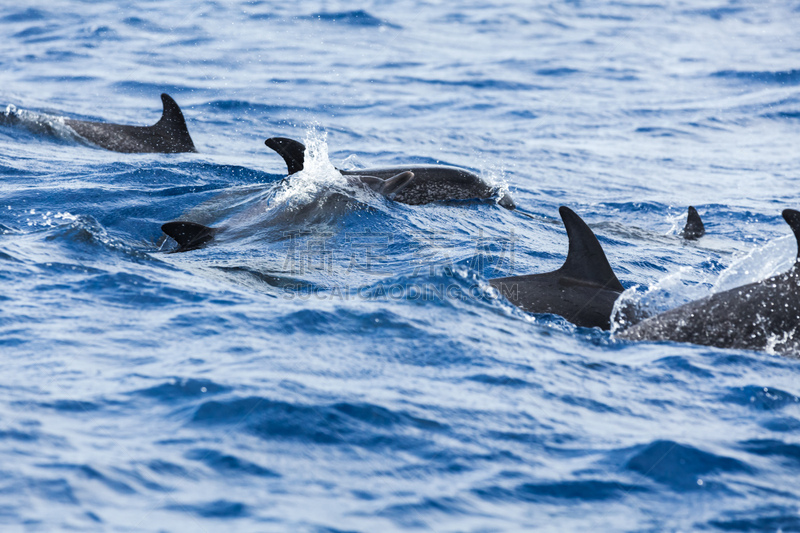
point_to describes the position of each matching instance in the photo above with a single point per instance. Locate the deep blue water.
(340, 363)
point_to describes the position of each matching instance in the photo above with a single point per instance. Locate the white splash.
(42, 123)
(775, 257)
(318, 174)
(673, 290)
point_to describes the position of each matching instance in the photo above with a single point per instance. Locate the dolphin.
(764, 315)
(582, 291)
(191, 235)
(432, 183)
(694, 228)
(168, 135)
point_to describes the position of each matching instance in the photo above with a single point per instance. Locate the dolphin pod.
(764, 315)
(433, 183)
(585, 288)
(757, 316)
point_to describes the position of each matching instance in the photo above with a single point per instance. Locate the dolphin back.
(582, 291)
(432, 183)
(168, 135)
(385, 187)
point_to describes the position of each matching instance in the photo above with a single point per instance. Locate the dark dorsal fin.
(792, 218)
(586, 260)
(291, 151)
(173, 125)
(694, 228)
(188, 235)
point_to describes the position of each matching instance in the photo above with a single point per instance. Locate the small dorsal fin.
(792, 218)
(173, 125)
(292, 152)
(694, 228)
(586, 260)
(188, 235)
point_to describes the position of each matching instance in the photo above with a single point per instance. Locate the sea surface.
(339, 362)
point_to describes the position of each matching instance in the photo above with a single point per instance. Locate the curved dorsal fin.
(173, 125)
(291, 151)
(586, 260)
(694, 228)
(188, 235)
(792, 218)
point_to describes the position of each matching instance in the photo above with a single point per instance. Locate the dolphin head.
(506, 201)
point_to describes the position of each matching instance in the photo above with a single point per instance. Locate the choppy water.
(339, 363)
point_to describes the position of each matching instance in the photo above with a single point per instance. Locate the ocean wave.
(227, 464)
(681, 466)
(564, 492)
(181, 389)
(358, 18)
(760, 398)
(365, 425)
(779, 77)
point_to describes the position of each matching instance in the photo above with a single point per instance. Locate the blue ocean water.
(338, 362)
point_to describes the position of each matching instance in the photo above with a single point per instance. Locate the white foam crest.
(41, 123)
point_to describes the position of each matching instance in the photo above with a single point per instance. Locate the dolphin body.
(191, 235)
(168, 135)
(582, 291)
(764, 315)
(432, 183)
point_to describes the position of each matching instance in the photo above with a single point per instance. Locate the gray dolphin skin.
(432, 183)
(694, 228)
(582, 291)
(758, 316)
(191, 235)
(168, 135)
